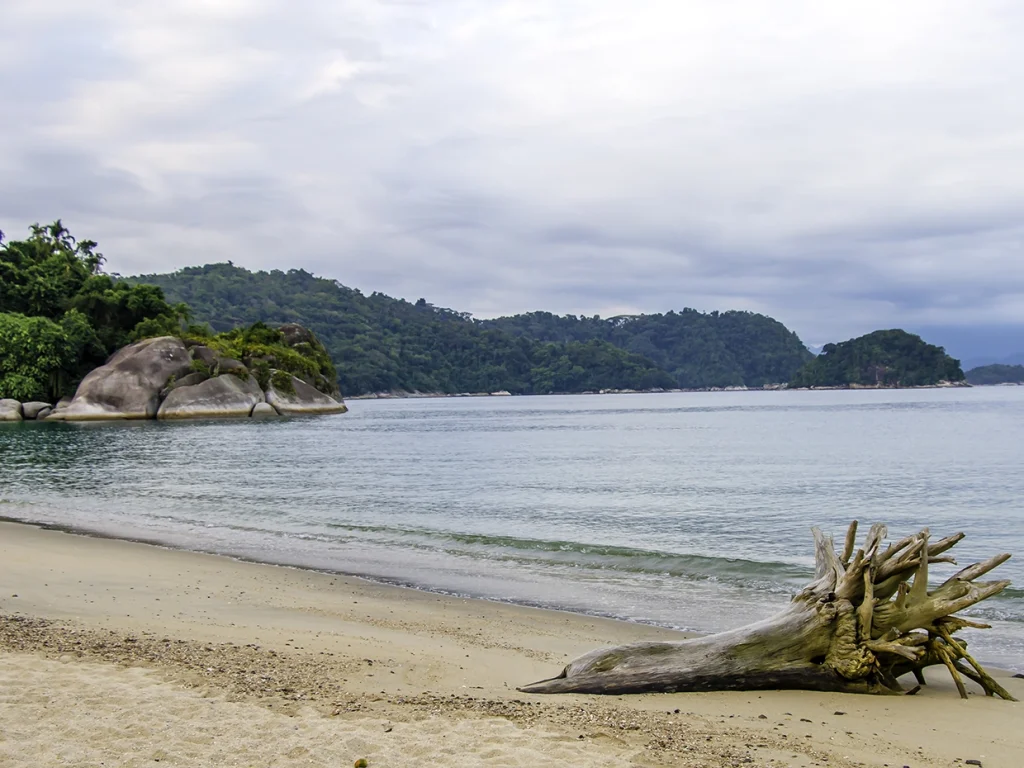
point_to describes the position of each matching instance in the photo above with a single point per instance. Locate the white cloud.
(840, 166)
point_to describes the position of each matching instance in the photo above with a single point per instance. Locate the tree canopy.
(697, 349)
(382, 344)
(61, 316)
(892, 358)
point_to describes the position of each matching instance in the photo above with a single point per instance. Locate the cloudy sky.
(842, 166)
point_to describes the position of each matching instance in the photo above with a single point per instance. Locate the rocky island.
(889, 359)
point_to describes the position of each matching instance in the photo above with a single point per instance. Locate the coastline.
(742, 388)
(395, 675)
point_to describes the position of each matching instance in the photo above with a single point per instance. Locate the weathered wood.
(866, 619)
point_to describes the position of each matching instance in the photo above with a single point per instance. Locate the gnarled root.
(865, 620)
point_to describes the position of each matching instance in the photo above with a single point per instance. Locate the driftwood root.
(866, 619)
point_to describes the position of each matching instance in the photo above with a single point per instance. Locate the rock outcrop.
(10, 410)
(189, 380)
(228, 365)
(300, 397)
(167, 378)
(264, 411)
(204, 355)
(129, 385)
(295, 334)
(226, 396)
(32, 409)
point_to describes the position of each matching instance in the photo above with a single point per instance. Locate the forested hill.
(381, 344)
(996, 374)
(892, 358)
(697, 349)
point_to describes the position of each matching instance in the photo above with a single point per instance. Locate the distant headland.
(996, 374)
(883, 359)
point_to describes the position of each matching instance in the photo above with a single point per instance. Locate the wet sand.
(127, 654)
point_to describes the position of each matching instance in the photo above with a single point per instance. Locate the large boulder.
(188, 380)
(205, 355)
(129, 385)
(220, 397)
(230, 365)
(299, 397)
(31, 410)
(263, 411)
(296, 334)
(217, 364)
(10, 410)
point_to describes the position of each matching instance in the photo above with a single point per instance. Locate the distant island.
(996, 374)
(883, 359)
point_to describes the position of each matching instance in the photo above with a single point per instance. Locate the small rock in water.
(973, 762)
(1021, 677)
(837, 712)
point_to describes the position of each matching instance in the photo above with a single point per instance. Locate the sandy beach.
(118, 653)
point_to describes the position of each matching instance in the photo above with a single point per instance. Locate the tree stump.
(866, 620)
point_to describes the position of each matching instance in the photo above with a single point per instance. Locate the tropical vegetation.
(61, 316)
(382, 344)
(270, 354)
(996, 373)
(698, 350)
(892, 358)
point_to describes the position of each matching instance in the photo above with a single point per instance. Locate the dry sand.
(115, 653)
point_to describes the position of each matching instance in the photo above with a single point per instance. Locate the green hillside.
(891, 358)
(382, 344)
(996, 374)
(697, 349)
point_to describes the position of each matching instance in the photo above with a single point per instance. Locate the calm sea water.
(686, 510)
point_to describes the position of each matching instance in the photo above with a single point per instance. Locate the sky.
(840, 166)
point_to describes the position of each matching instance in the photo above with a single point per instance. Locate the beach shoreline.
(392, 672)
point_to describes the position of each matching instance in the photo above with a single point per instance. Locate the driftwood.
(867, 619)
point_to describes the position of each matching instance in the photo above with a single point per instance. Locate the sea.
(685, 510)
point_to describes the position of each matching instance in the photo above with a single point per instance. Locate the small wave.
(1012, 592)
(771, 576)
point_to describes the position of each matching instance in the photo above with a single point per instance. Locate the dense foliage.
(61, 316)
(384, 344)
(696, 349)
(892, 358)
(381, 344)
(996, 374)
(264, 350)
